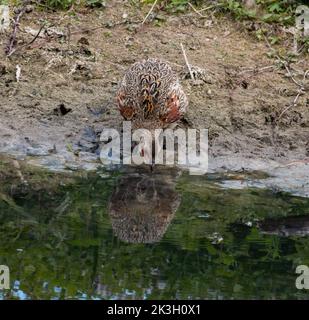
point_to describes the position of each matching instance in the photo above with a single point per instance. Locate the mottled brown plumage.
(151, 96)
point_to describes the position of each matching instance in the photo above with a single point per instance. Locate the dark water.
(148, 236)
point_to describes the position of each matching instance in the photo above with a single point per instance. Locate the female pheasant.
(151, 97)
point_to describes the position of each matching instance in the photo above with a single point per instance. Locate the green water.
(145, 236)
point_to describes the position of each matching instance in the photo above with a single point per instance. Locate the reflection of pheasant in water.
(142, 206)
(151, 96)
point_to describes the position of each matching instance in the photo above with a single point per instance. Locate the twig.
(256, 70)
(293, 104)
(29, 43)
(10, 46)
(69, 35)
(299, 92)
(196, 11)
(305, 75)
(282, 61)
(36, 36)
(18, 73)
(101, 27)
(301, 86)
(187, 62)
(211, 7)
(291, 76)
(148, 14)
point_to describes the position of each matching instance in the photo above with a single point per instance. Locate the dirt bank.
(69, 75)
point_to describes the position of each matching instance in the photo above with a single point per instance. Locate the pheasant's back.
(150, 93)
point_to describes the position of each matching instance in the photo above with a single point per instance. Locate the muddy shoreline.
(64, 98)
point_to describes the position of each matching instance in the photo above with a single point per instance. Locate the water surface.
(142, 235)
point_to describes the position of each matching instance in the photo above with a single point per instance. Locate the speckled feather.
(151, 96)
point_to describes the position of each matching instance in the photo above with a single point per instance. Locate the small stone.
(29, 8)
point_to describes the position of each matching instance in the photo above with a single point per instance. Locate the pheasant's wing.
(126, 110)
(175, 106)
(126, 95)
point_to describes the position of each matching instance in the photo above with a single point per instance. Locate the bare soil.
(65, 94)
